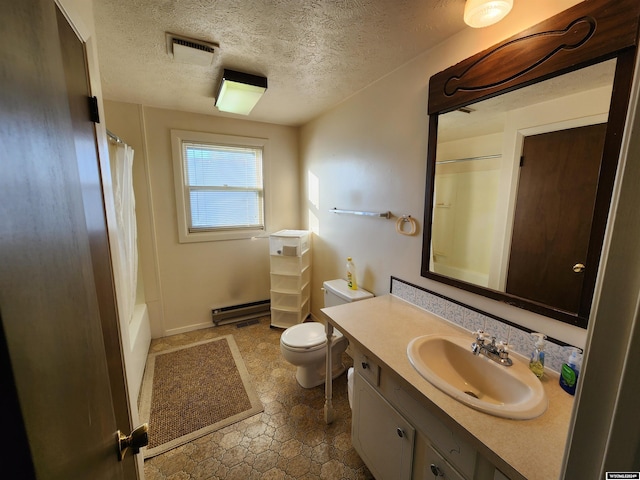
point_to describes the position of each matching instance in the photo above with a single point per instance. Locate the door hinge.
(94, 114)
(522, 160)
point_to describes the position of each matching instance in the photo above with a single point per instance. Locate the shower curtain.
(121, 157)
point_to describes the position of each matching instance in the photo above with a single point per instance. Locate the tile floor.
(289, 440)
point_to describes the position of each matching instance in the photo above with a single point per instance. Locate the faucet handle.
(481, 336)
(503, 353)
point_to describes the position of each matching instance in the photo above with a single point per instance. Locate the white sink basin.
(477, 381)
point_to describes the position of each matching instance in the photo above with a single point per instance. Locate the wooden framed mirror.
(524, 140)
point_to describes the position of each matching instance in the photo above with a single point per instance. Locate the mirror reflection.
(515, 184)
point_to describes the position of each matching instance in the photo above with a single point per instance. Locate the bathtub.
(138, 348)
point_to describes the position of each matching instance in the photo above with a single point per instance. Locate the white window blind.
(224, 187)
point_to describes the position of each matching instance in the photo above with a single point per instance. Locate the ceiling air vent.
(188, 50)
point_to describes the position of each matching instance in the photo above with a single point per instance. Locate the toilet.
(305, 345)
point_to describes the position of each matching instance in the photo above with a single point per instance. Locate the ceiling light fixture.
(239, 92)
(482, 13)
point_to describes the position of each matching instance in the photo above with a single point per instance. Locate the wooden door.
(53, 358)
(554, 207)
(76, 76)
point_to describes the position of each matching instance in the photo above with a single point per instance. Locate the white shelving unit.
(290, 253)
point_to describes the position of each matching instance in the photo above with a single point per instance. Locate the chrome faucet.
(498, 353)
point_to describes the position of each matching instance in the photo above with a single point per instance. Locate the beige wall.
(369, 153)
(183, 282)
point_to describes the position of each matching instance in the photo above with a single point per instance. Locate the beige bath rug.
(191, 391)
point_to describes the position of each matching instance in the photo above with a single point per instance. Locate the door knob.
(139, 438)
(579, 267)
(436, 470)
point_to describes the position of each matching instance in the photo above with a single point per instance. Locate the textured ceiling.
(315, 53)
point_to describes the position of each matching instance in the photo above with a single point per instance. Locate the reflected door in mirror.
(554, 208)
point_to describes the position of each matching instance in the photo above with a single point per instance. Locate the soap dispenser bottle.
(536, 363)
(570, 371)
(351, 274)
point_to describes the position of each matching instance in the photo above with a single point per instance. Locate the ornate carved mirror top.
(524, 140)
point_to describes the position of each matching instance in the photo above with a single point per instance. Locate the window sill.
(187, 237)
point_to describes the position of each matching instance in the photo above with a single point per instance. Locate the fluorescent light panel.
(239, 92)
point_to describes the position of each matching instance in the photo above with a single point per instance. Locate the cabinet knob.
(400, 432)
(365, 365)
(436, 470)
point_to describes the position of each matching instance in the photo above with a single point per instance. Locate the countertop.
(383, 326)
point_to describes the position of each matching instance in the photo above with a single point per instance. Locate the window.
(224, 186)
(219, 186)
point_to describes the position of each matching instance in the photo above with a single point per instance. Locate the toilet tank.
(336, 292)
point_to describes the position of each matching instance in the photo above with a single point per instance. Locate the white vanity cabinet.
(380, 435)
(498, 475)
(399, 438)
(475, 445)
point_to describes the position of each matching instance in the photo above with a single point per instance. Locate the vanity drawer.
(438, 467)
(366, 367)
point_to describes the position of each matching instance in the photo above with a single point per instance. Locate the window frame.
(183, 206)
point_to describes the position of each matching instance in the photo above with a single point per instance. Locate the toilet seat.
(305, 346)
(306, 336)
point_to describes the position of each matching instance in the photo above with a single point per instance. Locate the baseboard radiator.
(239, 313)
